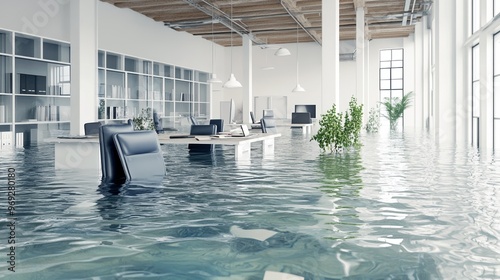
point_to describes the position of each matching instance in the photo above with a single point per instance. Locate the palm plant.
(395, 107)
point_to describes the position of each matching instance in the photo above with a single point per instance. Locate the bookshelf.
(129, 84)
(34, 87)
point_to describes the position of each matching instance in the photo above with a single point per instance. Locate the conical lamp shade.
(298, 88)
(232, 82)
(214, 79)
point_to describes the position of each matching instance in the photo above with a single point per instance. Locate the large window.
(475, 96)
(496, 91)
(476, 15)
(391, 74)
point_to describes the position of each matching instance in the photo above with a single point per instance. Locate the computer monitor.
(306, 108)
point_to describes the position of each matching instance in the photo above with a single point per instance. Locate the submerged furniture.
(140, 155)
(92, 128)
(202, 129)
(268, 125)
(267, 113)
(219, 123)
(255, 124)
(302, 120)
(111, 166)
(242, 145)
(193, 120)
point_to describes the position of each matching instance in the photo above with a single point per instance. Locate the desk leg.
(242, 151)
(83, 155)
(304, 129)
(268, 147)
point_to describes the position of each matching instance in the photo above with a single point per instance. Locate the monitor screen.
(306, 108)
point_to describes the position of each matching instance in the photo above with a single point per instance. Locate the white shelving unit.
(129, 84)
(34, 86)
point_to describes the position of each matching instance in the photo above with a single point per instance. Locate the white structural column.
(444, 75)
(247, 74)
(368, 99)
(83, 64)
(486, 81)
(330, 55)
(360, 54)
(419, 75)
(463, 89)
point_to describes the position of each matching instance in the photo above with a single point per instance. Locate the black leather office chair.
(255, 124)
(193, 120)
(219, 123)
(92, 128)
(267, 113)
(140, 155)
(202, 129)
(268, 125)
(112, 170)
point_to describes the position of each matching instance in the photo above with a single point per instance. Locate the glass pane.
(385, 94)
(475, 132)
(385, 64)
(5, 42)
(475, 63)
(385, 84)
(496, 96)
(204, 93)
(496, 134)
(157, 88)
(476, 18)
(385, 55)
(56, 51)
(475, 99)
(397, 54)
(397, 84)
(385, 74)
(397, 63)
(397, 93)
(496, 7)
(169, 88)
(168, 71)
(5, 74)
(496, 53)
(397, 73)
(157, 69)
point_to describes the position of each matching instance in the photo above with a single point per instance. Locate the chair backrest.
(301, 118)
(219, 123)
(157, 122)
(267, 113)
(268, 125)
(193, 120)
(140, 155)
(252, 116)
(202, 129)
(112, 170)
(92, 128)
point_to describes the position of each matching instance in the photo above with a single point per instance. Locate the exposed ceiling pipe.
(406, 10)
(317, 40)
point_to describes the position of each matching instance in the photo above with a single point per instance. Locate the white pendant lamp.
(213, 79)
(232, 82)
(298, 87)
(282, 52)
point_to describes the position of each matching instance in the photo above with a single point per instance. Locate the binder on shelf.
(3, 116)
(6, 139)
(20, 139)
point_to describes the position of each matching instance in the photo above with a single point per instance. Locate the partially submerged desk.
(306, 127)
(83, 152)
(242, 145)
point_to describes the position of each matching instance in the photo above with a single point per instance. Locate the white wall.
(44, 18)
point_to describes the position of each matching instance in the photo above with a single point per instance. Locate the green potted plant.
(339, 131)
(395, 107)
(144, 121)
(373, 120)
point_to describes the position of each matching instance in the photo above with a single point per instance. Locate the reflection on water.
(400, 208)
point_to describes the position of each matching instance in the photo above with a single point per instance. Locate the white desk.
(306, 127)
(76, 153)
(83, 153)
(242, 145)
